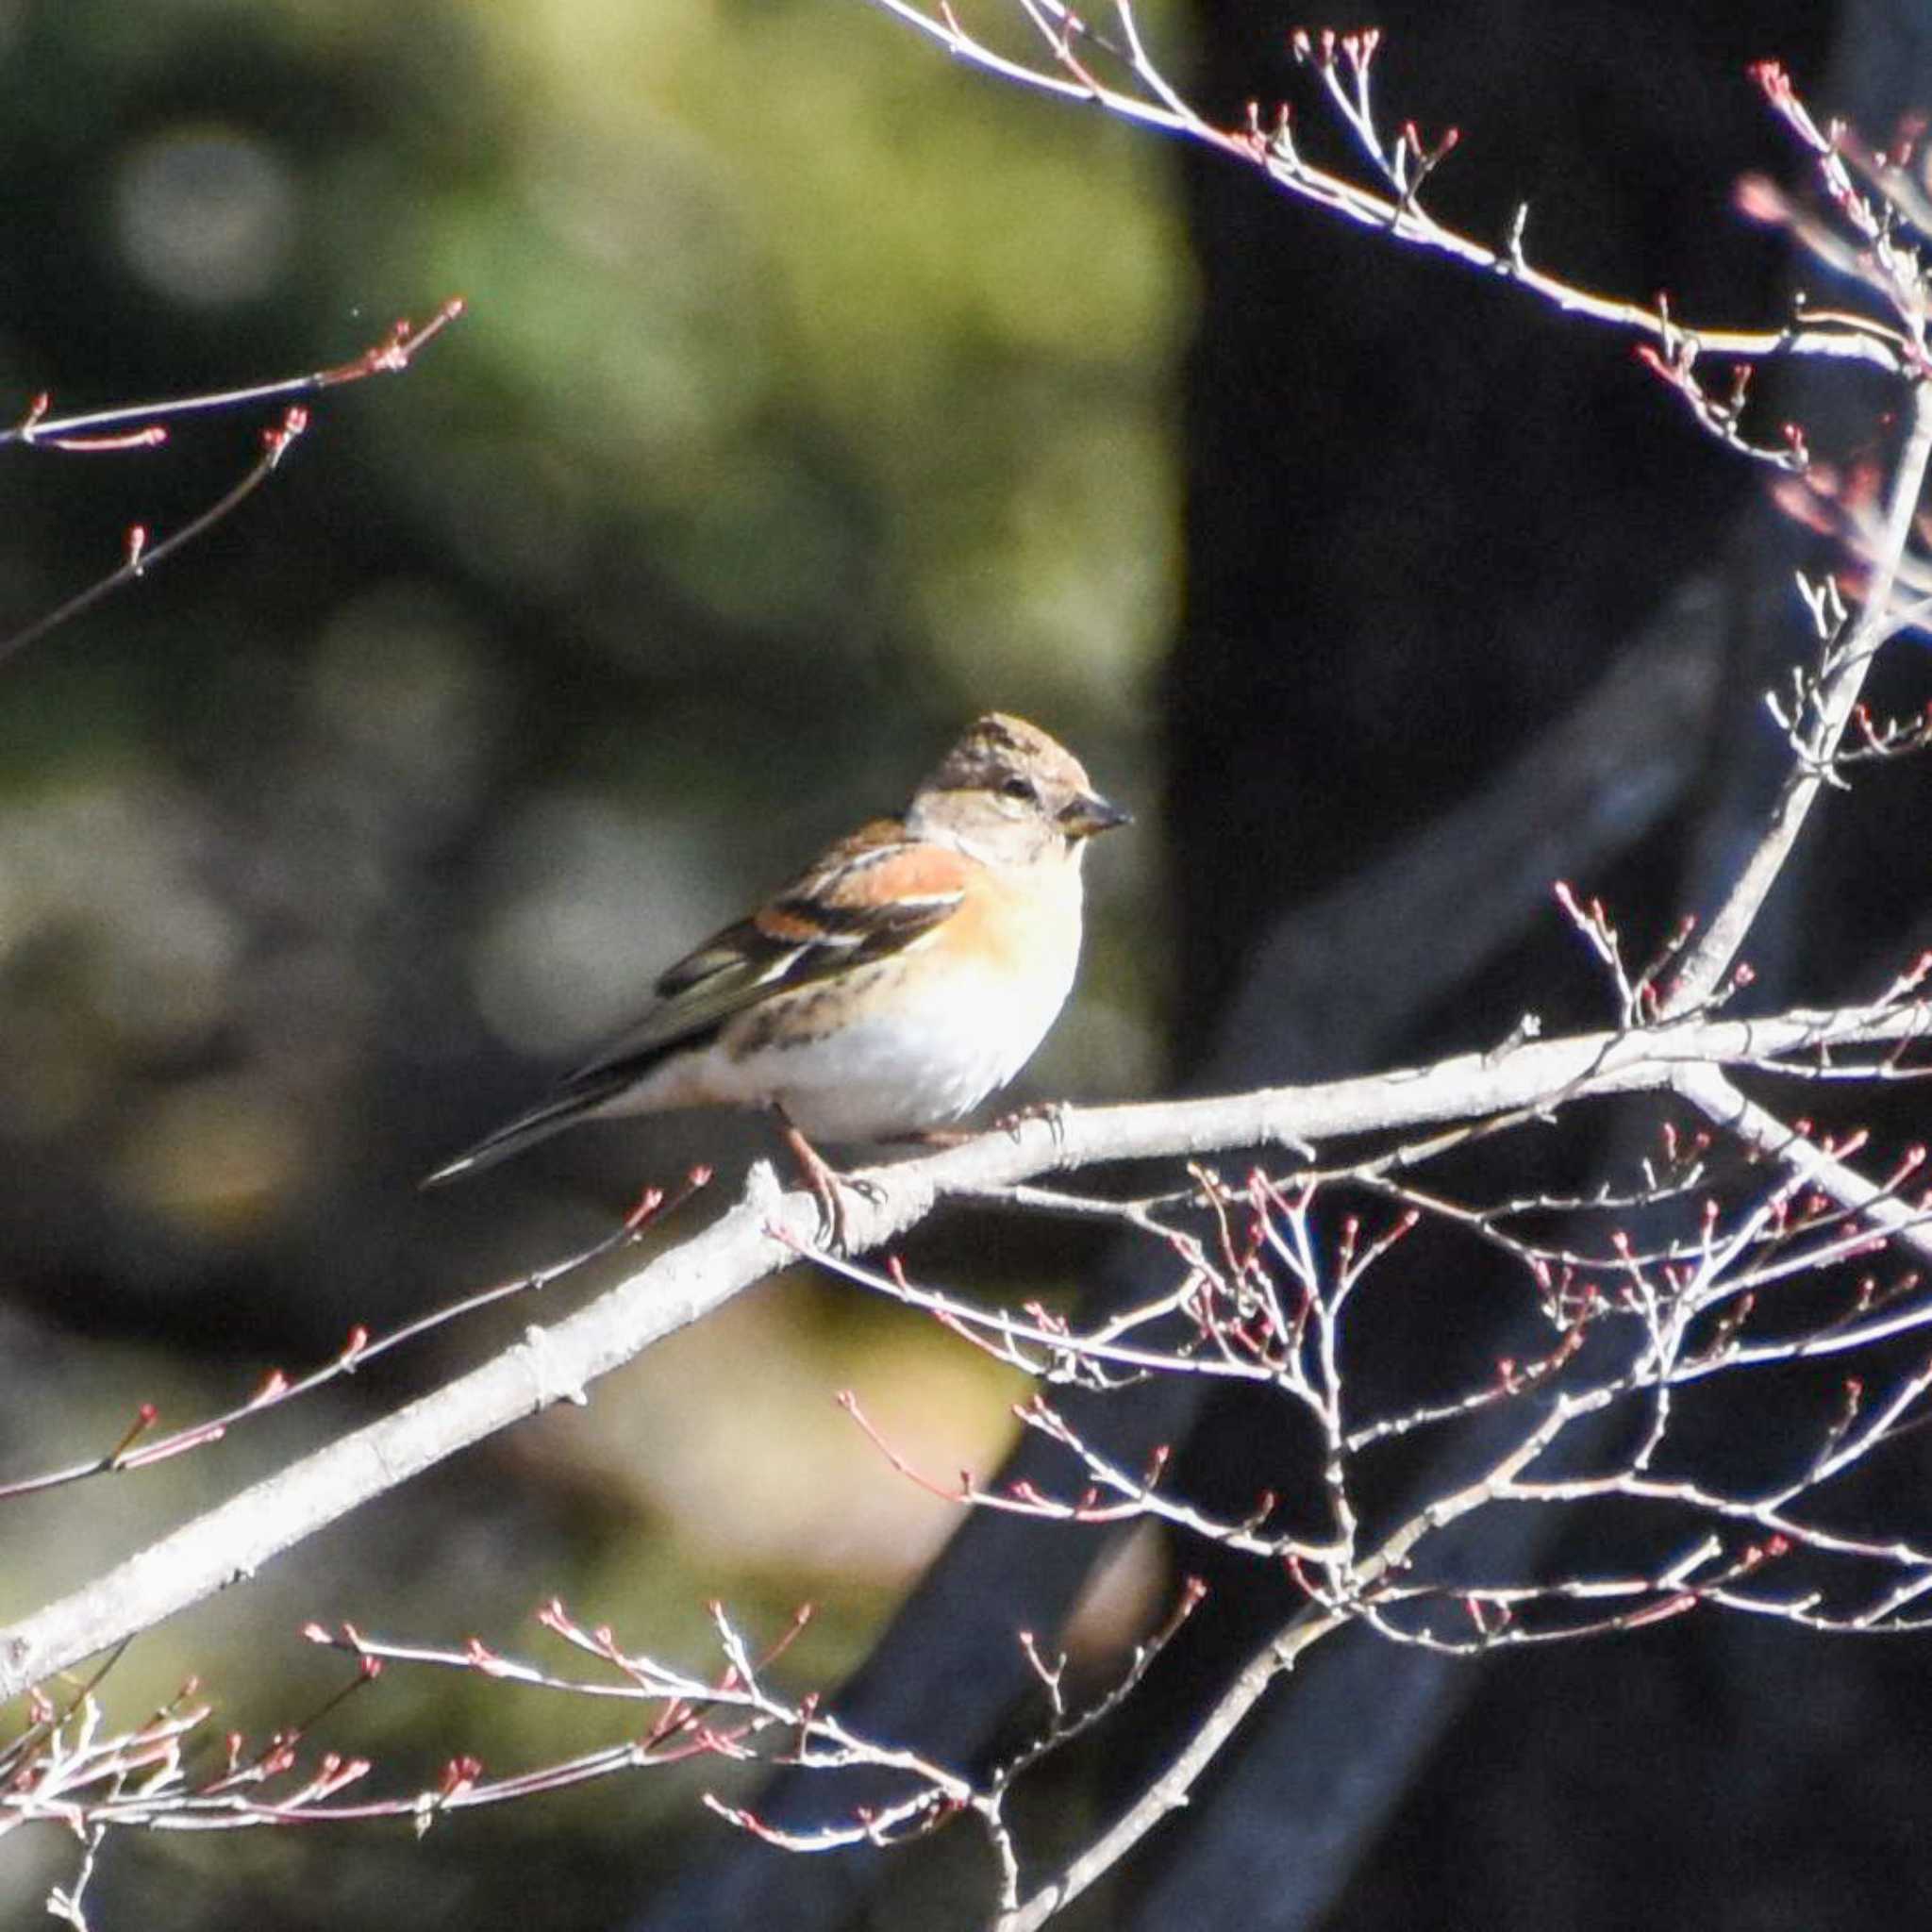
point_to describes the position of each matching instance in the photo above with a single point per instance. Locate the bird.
(902, 977)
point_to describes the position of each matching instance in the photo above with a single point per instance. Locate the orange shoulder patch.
(887, 875)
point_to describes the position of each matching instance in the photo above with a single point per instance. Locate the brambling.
(889, 988)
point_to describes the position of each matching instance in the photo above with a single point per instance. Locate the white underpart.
(934, 1042)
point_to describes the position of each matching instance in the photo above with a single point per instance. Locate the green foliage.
(812, 397)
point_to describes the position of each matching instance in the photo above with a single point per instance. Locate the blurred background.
(815, 394)
(808, 404)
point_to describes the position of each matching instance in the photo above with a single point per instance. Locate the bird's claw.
(830, 1185)
(1054, 1112)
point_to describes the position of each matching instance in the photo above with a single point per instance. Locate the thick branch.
(766, 1230)
(1726, 1106)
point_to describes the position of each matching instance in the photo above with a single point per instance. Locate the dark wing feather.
(871, 896)
(868, 898)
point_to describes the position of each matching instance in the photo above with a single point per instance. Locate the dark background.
(815, 394)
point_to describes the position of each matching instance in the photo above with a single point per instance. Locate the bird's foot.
(829, 1185)
(1054, 1112)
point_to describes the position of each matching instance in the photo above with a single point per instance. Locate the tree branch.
(767, 1230)
(1711, 957)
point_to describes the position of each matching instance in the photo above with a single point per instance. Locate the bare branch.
(37, 430)
(767, 1230)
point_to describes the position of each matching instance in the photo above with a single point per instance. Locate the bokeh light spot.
(205, 215)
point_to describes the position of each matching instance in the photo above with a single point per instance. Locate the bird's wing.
(870, 896)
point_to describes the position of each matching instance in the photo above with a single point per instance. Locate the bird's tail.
(577, 1101)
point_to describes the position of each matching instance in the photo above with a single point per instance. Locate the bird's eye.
(1017, 786)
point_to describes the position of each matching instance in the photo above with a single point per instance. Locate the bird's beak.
(1091, 813)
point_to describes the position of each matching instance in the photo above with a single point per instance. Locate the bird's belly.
(927, 1051)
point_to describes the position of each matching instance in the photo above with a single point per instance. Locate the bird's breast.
(919, 1038)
